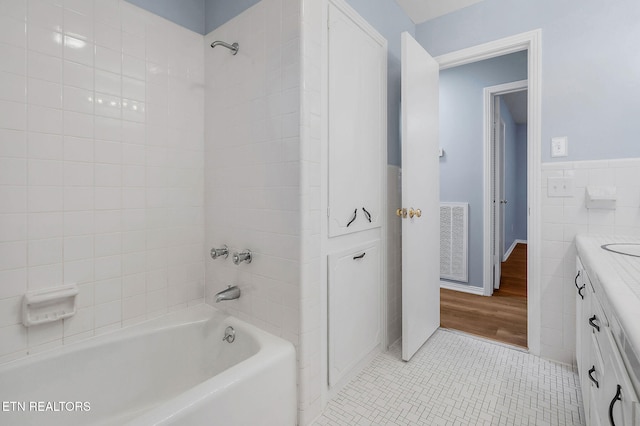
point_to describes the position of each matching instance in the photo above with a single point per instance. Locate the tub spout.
(232, 292)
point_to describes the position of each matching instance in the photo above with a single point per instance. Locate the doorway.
(530, 44)
(503, 316)
(500, 239)
(505, 199)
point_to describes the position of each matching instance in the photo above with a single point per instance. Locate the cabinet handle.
(579, 288)
(360, 256)
(591, 371)
(355, 214)
(613, 402)
(580, 291)
(592, 324)
(367, 214)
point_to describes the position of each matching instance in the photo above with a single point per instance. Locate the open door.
(420, 197)
(497, 191)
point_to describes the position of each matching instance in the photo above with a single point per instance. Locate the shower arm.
(233, 47)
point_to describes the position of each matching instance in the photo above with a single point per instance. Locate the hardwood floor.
(501, 317)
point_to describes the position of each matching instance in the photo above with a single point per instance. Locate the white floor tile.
(459, 380)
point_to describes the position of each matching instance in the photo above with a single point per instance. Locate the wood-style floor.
(501, 317)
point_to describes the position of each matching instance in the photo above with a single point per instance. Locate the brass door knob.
(416, 212)
(401, 213)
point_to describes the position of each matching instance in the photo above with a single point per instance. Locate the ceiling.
(422, 10)
(517, 104)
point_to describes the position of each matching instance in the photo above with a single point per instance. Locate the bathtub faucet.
(231, 292)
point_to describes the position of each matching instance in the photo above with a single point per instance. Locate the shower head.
(233, 47)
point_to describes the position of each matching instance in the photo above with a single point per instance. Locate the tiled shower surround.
(101, 166)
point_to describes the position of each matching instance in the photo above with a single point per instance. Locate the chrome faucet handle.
(216, 253)
(244, 256)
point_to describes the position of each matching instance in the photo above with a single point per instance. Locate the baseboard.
(515, 243)
(462, 287)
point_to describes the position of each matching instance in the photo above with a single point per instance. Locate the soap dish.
(600, 197)
(48, 305)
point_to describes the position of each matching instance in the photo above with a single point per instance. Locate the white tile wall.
(262, 178)
(101, 168)
(311, 358)
(394, 255)
(252, 168)
(562, 219)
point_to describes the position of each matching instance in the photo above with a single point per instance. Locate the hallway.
(501, 317)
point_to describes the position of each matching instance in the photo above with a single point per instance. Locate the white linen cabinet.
(354, 146)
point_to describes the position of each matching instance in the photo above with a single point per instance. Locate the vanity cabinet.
(608, 394)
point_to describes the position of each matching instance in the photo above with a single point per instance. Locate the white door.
(496, 193)
(420, 190)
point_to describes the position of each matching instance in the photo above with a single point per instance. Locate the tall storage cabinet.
(357, 63)
(354, 193)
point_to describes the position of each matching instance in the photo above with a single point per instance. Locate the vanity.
(607, 284)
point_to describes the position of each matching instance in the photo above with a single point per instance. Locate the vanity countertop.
(619, 277)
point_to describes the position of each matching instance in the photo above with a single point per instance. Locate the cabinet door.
(619, 398)
(580, 290)
(354, 307)
(357, 123)
(594, 378)
(586, 351)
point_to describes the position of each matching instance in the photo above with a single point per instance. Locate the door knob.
(503, 201)
(401, 213)
(416, 212)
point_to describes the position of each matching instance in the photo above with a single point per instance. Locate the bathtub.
(172, 370)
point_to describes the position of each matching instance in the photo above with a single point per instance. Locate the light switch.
(560, 187)
(559, 146)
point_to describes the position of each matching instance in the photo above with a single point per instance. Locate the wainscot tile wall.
(101, 166)
(394, 255)
(562, 219)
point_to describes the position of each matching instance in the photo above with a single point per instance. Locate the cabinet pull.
(360, 256)
(613, 402)
(592, 324)
(355, 214)
(591, 371)
(579, 288)
(367, 214)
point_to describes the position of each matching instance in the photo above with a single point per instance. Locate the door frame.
(490, 93)
(530, 42)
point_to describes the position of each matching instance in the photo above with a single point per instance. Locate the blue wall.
(461, 137)
(188, 13)
(218, 12)
(201, 16)
(590, 66)
(515, 179)
(520, 199)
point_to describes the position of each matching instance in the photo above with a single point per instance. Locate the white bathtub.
(172, 370)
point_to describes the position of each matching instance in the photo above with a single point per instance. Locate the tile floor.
(455, 379)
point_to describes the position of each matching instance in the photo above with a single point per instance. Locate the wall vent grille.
(454, 241)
